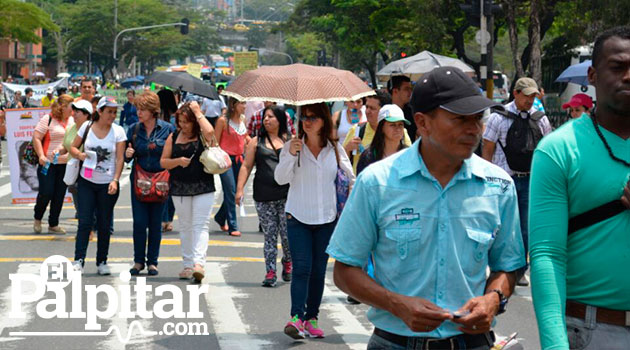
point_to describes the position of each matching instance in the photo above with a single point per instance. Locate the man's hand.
(419, 315)
(482, 311)
(625, 199)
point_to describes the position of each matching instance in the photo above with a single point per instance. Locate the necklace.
(601, 136)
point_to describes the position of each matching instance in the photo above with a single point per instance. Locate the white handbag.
(214, 159)
(72, 171)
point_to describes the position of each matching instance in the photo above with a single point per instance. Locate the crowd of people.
(445, 186)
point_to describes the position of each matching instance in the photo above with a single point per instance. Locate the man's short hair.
(396, 81)
(383, 97)
(27, 91)
(85, 80)
(621, 32)
(131, 92)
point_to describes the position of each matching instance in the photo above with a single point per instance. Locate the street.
(238, 312)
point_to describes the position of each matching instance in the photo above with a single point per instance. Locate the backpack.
(522, 138)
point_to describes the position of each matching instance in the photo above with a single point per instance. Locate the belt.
(515, 174)
(453, 343)
(614, 317)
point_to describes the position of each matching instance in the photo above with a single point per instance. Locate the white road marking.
(5, 304)
(353, 333)
(5, 190)
(231, 332)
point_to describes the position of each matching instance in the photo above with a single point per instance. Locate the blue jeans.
(52, 190)
(522, 194)
(146, 216)
(169, 210)
(94, 197)
(378, 343)
(587, 334)
(227, 212)
(307, 244)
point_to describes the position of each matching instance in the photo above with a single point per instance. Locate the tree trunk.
(61, 52)
(535, 65)
(510, 18)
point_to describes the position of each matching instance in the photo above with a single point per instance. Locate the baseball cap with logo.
(392, 113)
(50, 90)
(106, 101)
(527, 86)
(450, 89)
(83, 105)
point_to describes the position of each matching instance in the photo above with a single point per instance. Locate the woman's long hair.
(326, 133)
(56, 109)
(281, 117)
(378, 142)
(167, 104)
(230, 110)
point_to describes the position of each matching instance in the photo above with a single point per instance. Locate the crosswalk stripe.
(5, 189)
(231, 332)
(354, 334)
(165, 241)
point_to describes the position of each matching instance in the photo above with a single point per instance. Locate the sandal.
(167, 227)
(235, 233)
(186, 273)
(153, 270)
(135, 270)
(198, 273)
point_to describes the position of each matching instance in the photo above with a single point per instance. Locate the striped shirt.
(497, 129)
(56, 132)
(312, 197)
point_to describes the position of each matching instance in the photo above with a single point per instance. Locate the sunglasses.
(311, 119)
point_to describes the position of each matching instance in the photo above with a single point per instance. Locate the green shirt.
(572, 173)
(71, 134)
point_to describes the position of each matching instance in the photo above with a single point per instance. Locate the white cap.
(106, 101)
(83, 105)
(50, 90)
(392, 113)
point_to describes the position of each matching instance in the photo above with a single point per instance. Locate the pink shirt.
(53, 133)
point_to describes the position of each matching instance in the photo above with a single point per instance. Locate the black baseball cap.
(451, 89)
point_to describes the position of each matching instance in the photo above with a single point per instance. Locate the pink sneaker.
(312, 329)
(294, 328)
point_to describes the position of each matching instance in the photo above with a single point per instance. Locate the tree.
(20, 20)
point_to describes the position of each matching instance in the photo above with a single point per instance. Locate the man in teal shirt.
(580, 288)
(434, 217)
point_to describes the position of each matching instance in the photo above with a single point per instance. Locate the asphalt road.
(234, 313)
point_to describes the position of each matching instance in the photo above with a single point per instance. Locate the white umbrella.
(39, 74)
(63, 75)
(417, 65)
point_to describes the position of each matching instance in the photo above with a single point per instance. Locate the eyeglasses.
(311, 119)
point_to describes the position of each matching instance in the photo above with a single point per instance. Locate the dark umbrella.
(184, 82)
(129, 82)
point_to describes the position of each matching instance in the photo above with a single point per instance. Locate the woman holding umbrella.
(311, 210)
(231, 133)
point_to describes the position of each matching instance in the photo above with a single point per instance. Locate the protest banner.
(39, 91)
(21, 125)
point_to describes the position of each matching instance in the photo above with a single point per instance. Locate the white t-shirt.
(105, 153)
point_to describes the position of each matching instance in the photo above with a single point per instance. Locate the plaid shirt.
(497, 128)
(253, 127)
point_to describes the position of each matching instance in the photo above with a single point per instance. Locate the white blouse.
(312, 197)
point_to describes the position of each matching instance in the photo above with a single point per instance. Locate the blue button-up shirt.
(146, 155)
(128, 115)
(427, 241)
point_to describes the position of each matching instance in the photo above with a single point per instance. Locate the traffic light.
(184, 28)
(472, 10)
(321, 58)
(403, 54)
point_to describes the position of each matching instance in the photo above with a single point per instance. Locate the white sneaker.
(77, 265)
(103, 269)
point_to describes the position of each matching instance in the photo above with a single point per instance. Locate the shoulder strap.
(87, 129)
(336, 152)
(362, 128)
(537, 115)
(593, 216)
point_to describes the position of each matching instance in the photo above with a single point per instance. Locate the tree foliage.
(20, 20)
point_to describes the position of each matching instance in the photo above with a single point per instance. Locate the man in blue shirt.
(129, 114)
(434, 217)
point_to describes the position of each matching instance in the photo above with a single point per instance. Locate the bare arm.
(39, 148)
(488, 150)
(419, 315)
(221, 123)
(120, 153)
(166, 161)
(246, 168)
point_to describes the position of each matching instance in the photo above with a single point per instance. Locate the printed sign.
(21, 125)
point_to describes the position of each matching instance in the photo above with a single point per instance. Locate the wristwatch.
(502, 301)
